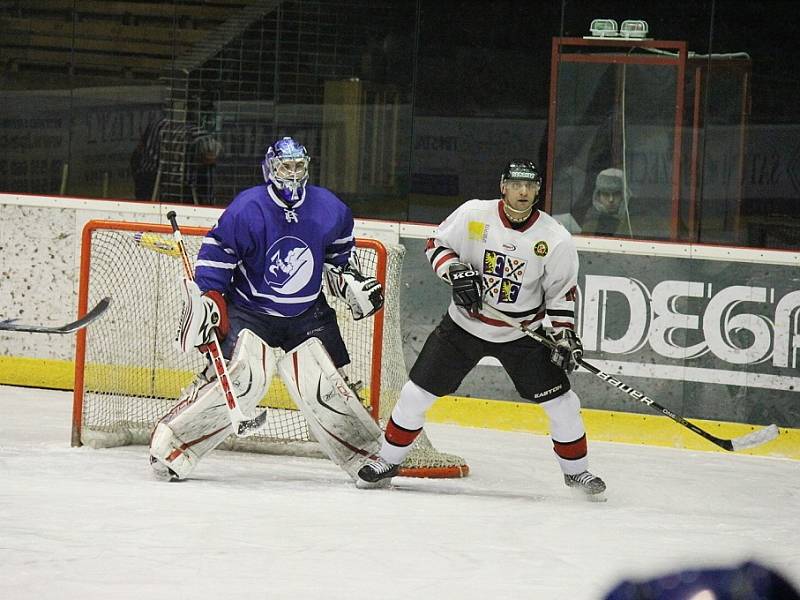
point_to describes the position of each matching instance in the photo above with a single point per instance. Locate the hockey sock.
(567, 432)
(406, 422)
(397, 442)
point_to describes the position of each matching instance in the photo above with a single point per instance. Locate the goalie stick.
(750, 440)
(242, 426)
(92, 315)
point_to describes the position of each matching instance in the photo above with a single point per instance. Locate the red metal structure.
(691, 83)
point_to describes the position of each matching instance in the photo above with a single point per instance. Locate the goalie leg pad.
(200, 421)
(335, 416)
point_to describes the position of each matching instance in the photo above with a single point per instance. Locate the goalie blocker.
(199, 422)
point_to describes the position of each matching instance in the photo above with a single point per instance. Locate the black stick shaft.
(176, 234)
(730, 445)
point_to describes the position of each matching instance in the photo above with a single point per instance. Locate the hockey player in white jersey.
(520, 261)
(258, 285)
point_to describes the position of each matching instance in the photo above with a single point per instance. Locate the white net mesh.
(133, 373)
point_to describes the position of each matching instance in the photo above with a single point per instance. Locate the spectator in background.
(192, 151)
(608, 213)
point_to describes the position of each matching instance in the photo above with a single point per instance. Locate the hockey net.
(129, 372)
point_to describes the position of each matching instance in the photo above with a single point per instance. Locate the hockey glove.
(203, 314)
(568, 350)
(467, 287)
(364, 295)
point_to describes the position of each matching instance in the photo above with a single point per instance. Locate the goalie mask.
(285, 166)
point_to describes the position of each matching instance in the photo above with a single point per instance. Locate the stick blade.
(157, 243)
(12, 325)
(248, 427)
(756, 438)
(92, 315)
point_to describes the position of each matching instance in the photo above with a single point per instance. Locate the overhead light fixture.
(604, 28)
(634, 29)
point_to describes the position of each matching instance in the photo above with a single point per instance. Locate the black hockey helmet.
(521, 169)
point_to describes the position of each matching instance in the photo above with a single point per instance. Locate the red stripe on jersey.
(495, 323)
(447, 256)
(562, 324)
(571, 450)
(504, 219)
(399, 436)
(572, 294)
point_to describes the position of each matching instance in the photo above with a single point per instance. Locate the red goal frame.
(83, 301)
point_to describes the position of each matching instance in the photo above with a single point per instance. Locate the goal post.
(129, 372)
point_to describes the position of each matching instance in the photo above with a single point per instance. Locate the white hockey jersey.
(527, 272)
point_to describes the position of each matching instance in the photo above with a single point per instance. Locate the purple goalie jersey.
(268, 257)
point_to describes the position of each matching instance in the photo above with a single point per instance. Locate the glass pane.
(613, 147)
(480, 99)
(34, 140)
(762, 39)
(714, 188)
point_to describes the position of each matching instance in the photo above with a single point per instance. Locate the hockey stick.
(157, 243)
(99, 309)
(750, 440)
(242, 426)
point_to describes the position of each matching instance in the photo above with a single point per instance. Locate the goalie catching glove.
(568, 350)
(467, 287)
(203, 315)
(364, 295)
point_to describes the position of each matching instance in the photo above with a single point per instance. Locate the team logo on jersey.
(290, 264)
(540, 248)
(503, 276)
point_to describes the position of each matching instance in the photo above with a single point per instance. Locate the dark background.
(448, 91)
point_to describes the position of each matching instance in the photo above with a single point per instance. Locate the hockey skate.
(376, 473)
(590, 485)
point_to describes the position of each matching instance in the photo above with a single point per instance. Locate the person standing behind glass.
(607, 214)
(203, 150)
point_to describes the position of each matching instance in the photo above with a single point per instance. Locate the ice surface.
(93, 524)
